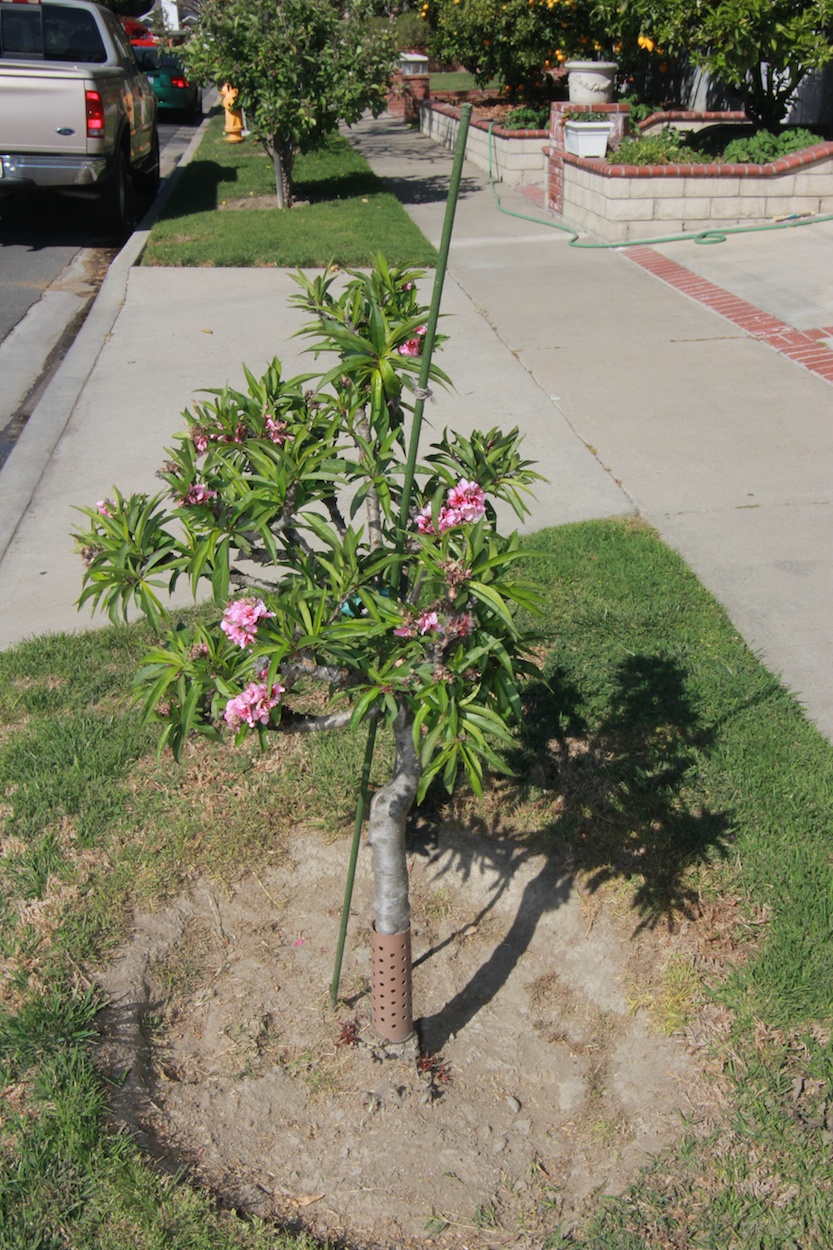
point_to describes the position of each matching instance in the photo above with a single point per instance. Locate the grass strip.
(222, 212)
(704, 799)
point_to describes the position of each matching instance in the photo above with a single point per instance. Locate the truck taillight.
(95, 115)
(177, 80)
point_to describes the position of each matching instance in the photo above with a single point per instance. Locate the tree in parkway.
(300, 67)
(339, 563)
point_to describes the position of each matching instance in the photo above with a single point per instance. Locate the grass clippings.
(342, 215)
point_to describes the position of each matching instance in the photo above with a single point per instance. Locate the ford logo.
(65, 130)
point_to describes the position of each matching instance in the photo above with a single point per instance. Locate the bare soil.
(534, 1087)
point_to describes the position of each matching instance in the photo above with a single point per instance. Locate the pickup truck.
(77, 115)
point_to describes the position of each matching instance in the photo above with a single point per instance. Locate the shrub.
(764, 146)
(527, 118)
(672, 148)
(666, 148)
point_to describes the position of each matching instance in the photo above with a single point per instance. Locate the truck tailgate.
(44, 112)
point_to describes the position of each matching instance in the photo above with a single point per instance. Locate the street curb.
(25, 466)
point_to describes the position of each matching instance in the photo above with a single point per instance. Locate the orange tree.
(761, 48)
(519, 40)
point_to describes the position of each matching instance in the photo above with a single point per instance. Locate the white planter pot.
(591, 82)
(586, 138)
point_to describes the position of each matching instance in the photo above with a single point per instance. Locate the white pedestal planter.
(586, 138)
(591, 82)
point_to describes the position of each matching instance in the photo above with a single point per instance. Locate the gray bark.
(282, 155)
(388, 814)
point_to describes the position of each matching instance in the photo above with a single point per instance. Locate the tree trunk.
(388, 814)
(391, 996)
(282, 157)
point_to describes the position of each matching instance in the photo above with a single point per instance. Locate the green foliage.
(527, 118)
(409, 31)
(761, 48)
(519, 40)
(763, 146)
(670, 147)
(296, 492)
(300, 67)
(667, 148)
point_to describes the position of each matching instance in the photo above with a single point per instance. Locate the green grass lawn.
(459, 80)
(706, 801)
(344, 215)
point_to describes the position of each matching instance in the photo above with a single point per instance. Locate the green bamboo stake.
(407, 487)
(433, 318)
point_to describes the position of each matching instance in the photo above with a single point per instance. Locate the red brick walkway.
(805, 347)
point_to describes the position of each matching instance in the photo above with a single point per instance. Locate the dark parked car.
(171, 85)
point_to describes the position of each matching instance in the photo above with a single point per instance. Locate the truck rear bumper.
(23, 169)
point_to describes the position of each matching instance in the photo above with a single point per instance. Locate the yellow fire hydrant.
(234, 117)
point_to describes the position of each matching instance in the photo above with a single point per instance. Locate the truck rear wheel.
(147, 181)
(115, 209)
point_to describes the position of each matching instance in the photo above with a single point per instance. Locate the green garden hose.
(701, 236)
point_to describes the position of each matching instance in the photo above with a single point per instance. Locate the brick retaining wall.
(517, 155)
(623, 202)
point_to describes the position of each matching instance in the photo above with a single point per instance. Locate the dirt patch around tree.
(533, 1089)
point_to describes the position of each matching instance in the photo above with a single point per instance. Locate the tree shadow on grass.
(350, 186)
(614, 803)
(200, 189)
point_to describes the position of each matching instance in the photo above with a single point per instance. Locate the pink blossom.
(412, 347)
(277, 431)
(422, 330)
(240, 620)
(467, 500)
(463, 625)
(424, 521)
(200, 440)
(407, 286)
(253, 704)
(197, 494)
(404, 631)
(428, 622)
(104, 506)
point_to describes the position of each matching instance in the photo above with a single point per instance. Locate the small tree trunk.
(388, 814)
(391, 986)
(282, 157)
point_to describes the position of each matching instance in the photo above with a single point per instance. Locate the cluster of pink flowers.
(277, 430)
(428, 622)
(105, 507)
(464, 504)
(240, 620)
(413, 347)
(197, 494)
(253, 704)
(201, 437)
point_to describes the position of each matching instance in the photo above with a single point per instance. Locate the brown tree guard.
(392, 1016)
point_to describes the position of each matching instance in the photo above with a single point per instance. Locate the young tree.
(300, 68)
(293, 504)
(761, 48)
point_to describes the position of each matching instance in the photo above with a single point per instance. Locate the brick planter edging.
(796, 160)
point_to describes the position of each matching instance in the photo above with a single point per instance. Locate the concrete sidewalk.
(632, 396)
